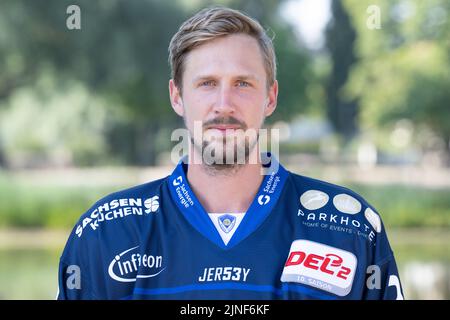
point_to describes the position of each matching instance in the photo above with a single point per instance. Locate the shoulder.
(307, 184)
(315, 194)
(113, 222)
(123, 206)
(340, 213)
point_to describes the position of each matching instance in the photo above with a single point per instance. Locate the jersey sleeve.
(73, 283)
(383, 281)
(76, 268)
(382, 277)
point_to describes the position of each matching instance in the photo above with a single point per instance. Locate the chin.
(225, 155)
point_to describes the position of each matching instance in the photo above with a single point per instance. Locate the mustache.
(224, 121)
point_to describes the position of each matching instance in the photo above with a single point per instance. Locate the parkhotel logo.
(226, 148)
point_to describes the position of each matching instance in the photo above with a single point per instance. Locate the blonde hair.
(212, 23)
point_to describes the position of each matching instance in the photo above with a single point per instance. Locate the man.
(227, 223)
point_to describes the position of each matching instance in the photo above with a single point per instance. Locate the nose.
(224, 101)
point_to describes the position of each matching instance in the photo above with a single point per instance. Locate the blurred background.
(364, 102)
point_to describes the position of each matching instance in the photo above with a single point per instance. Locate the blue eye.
(243, 84)
(207, 83)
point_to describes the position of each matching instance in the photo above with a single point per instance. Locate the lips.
(224, 127)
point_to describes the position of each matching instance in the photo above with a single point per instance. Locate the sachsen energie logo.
(320, 266)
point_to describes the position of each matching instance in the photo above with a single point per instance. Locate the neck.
(226, 190)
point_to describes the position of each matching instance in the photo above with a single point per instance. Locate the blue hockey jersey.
(301, 238)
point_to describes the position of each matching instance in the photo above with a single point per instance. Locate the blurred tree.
(404, 68)
(340, 38)
(120, 54)
(52, 124)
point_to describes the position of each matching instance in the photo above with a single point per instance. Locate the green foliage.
(296, 148)
(118, 61)
(22, 205)
(68, 125)
(404, 67)
(401, 206)
(119, 56)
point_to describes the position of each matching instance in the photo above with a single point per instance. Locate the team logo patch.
(346, 204)
(320, 266)
(314, 199)
(227, 222)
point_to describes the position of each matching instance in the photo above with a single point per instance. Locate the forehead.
(228, 55)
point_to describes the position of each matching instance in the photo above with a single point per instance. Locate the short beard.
(223, 166)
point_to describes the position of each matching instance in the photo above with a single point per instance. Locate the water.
(426, 280)
(424, 266)
(28, 274)
(423, 259)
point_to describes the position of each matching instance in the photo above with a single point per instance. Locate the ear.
(272, 99)
(175, 98)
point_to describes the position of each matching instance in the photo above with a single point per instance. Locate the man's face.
(224, 86)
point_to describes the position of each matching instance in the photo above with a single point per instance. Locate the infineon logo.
(320, 266)
(126, 265)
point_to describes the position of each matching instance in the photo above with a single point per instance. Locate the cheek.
(193, 112)
(254, 112)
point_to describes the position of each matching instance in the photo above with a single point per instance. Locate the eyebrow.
(209, 77)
